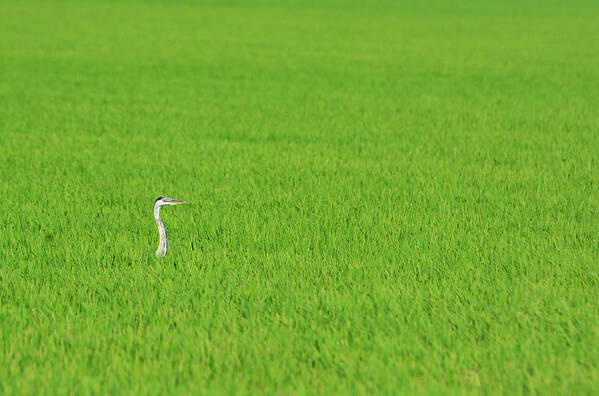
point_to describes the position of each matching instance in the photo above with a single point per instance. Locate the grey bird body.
(160, 202)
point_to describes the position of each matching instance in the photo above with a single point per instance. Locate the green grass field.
(387, 197)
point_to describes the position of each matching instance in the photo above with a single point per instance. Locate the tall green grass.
(387, 197)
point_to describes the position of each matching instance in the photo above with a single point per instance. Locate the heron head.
(164, 201)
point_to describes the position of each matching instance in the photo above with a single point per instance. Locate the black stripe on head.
(159, 198)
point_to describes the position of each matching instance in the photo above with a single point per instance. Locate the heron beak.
(176, 202)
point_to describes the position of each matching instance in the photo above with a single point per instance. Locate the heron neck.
(161, 232)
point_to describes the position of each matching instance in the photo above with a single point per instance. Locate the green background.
(387, 197)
